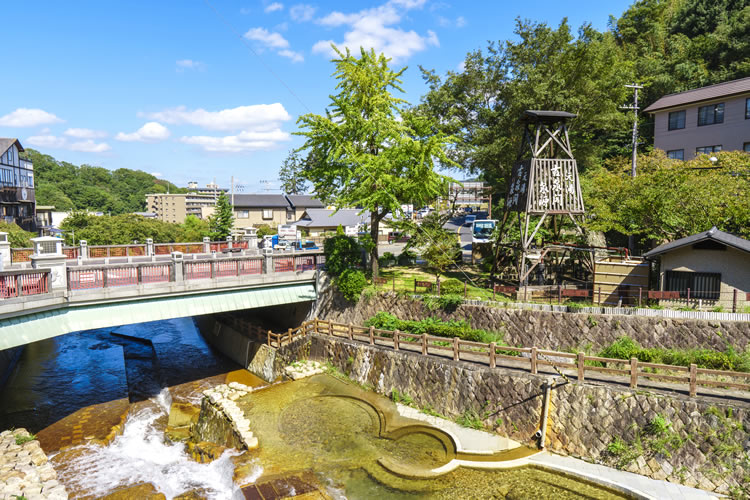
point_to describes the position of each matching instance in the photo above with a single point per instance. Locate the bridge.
(53, 292)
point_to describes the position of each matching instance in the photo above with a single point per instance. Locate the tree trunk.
(374, 228)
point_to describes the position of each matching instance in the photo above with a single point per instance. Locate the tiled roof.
(321, 217)
(304, 201)
(6, 143)
(260, 200)
(702, 94)
(712, 234)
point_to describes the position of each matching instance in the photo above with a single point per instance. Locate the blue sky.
(173, 87)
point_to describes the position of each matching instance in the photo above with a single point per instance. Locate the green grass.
(25, 439)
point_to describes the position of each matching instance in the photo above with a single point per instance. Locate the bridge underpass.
(46, 324)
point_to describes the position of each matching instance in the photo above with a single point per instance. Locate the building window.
(702, 285)
(289, 215)
(267, 214)
(713, 113)
(705, 150)
(747, 108)
(676, 120)
(676, 154)
(746, 147)
(242, 214)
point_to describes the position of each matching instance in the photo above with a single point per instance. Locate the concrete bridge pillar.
(229, 241)
(150, 247)
(48, 254)
(206, 244)
(177, 259)
(83, 252)
(268, 260)
(4, 251)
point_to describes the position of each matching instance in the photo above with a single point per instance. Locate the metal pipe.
(545, 412)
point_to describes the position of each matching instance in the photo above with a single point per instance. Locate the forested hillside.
(666, 45)
(85, 187)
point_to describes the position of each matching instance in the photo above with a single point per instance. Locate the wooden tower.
(544, 182)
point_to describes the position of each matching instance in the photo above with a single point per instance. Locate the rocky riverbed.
(24, 469)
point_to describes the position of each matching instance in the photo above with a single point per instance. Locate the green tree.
(194, 229)
(291, 174)
(670, 199)
(17, 237)
(439, 247)
(545, 68)
(223, 219)
(367, 151)
(342, 253)
(120, 229)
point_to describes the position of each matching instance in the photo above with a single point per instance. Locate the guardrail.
(577, 365)
(23, 283)
(123, 275)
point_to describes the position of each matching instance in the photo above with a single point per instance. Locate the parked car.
(305, 245)
(469, 220)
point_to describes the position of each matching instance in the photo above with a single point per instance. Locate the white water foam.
(140, 455)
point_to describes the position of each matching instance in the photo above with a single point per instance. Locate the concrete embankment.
(689, 441)
(25, 471)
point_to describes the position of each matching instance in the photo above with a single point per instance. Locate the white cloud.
(55, 142)
(245, 141)
(150, 132)
(273, 7)
(302, 12)
(28, 117)
(460, 22)
(275, 41)
(85, 133)
(377, 28)
(46, 141)
(188, 64)
(89, 146)
(242, 117)
(267, 38)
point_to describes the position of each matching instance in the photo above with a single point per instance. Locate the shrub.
(622, 348)
(342, 252)
(450, 303)
(387, 259)
(351, 283)
(451, 286)
(434, 326)
(265, 230)
(407, 258)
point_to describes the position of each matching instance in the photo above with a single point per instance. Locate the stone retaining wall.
(25, 471)
(549, 330)
(699, 444)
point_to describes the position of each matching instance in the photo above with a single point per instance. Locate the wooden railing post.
(424, 344)
(581, 365)
(466, 289)
(456, 353)
(688, 297)
(492, 355)
(315, 325)
(693, 379)
(289, 335)
(640, 296)
(269, 339)
(533, 360)
(633, 373)
(350, 332)
(372, 335)
(600, 295)
(734, 301)
(330, 328)
(395, 340)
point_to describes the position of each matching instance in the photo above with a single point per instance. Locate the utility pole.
(232, 181)
(634, 160)
(635, 109)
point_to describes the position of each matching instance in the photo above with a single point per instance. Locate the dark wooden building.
(17, 201)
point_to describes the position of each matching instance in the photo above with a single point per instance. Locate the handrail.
(492, 354)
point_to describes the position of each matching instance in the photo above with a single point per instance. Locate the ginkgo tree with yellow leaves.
(369, 150)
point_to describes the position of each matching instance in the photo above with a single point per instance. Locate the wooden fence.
(578, 365)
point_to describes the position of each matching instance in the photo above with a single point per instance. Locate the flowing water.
(75, 389)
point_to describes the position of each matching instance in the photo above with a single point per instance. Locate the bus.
(481, 230)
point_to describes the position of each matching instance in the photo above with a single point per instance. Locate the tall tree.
(223, 219)
(369, 152)
(545, 68)
(291, 174)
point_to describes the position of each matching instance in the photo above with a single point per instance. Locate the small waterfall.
(141, 455)
(164, 400)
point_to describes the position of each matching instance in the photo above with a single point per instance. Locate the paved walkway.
(736, 397)
(618, 479)
(481, 442)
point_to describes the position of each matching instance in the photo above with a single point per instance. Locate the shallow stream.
(99, 401)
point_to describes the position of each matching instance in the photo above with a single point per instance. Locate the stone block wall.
(549, 330)
(703, 443)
